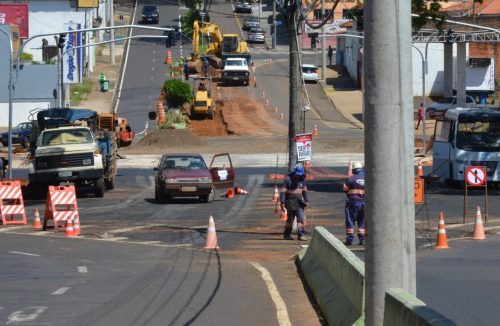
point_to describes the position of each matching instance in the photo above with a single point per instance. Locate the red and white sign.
(16, 14)
(304, 147)
(475, 175)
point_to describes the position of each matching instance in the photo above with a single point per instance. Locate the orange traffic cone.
(69, 229)
(76, 225)
(276, 193)
(277, 208)
(315, 131)
(229, 193)
(282, 117)
(478, 226)
(420, 170)
(254, 81)
(267, 102)
(263, 94)
(37, 224)
(240, 191)
(442, 240)
(270, 61)
(211, 242)
(276, 109)
(283, 215)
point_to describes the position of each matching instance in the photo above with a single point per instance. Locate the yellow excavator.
(216, 46)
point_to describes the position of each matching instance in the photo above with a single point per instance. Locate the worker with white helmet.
(293, 197)
(354, 188)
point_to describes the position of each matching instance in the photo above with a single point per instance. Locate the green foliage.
(80, 91)
(189, 19)
(428, 9)
(192, 4)
(177, 92)
(26, 56)
(172, 118)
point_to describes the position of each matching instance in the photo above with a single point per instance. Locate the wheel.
(210, 197)
(110, 183)
(5, 144)
(99, 188)
(161, 197)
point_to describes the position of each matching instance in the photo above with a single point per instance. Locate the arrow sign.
(475, 176)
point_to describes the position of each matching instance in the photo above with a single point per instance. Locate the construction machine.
(202, 105)
(216, 47)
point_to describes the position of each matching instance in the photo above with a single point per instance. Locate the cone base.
(441, 247)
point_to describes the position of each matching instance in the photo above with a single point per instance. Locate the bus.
(466, 137)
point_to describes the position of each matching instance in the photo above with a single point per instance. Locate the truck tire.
(99, 188)
(110, 183)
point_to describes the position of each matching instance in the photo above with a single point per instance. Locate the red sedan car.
(187, 175)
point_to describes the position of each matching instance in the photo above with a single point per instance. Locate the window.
(317, 13)
(62, 137)
(442, 132)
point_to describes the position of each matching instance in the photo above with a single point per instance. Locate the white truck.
(480, 75)
(235, 70)
(67, 152)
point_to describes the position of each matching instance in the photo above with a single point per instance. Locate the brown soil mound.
(162, 138)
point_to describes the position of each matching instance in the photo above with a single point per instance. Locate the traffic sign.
(475, 175)
(419, 190)
(304, 147)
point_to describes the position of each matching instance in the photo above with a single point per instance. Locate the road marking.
(12, 228)
(26, 314)
(23, 253)
(82, 269)
(61, 291)
(153, 68)
(154, 59)
(281, 311)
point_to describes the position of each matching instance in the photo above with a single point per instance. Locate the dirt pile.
(169, 138)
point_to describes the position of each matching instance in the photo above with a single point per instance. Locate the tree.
(428, 9)
(177, 92)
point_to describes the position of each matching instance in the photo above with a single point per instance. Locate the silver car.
(256, 35)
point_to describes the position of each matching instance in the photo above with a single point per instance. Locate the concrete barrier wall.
(402, 308)
(336, 278)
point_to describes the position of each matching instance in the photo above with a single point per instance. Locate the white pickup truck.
(235, 70)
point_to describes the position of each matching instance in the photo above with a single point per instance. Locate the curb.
(355, 122)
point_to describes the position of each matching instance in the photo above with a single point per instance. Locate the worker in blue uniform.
(293, 197)
(354, 187)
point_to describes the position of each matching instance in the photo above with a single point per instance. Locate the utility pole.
(295, 82)
(323, 53)
(390, 256)
(112, 32)
(273, 26)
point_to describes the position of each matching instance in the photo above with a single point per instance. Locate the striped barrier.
(60, 206)
(12, 203)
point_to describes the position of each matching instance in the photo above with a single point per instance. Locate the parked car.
(187, 175)
(20, 135)
(256, 35)
(150, 14)
(251, 22)
(445, 103)
(310, 73)
(243, 7)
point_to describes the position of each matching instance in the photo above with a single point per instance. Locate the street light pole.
(11, 96)
(111, 32)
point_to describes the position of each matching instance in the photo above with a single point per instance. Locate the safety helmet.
(298, 170)
(357, 165)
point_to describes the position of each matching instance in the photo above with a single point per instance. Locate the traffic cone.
(254, 81)
(283, 215)
(276, 193)
(211, 242)
(37, 224)
(282, 117)
(267, 102)
(76, 225)
(420, 170)
(277, 208)
(276, 109)
(229, 193)
(478, 226)
(270, 61)
(315, 131)
(263, 94)
(442, 240)
(70, 232)
(240, 191)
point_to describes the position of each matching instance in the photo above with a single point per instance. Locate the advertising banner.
(304, 147)
(72, 58)
(16, 14)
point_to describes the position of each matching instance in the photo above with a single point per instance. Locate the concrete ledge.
(335, 276)
(402, 308)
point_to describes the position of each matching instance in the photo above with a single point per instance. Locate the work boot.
(302, 238)
(287, 237)
(361, 242)
(348, 243)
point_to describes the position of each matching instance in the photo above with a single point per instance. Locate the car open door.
(221, 169)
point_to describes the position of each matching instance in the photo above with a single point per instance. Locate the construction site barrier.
(160, 111)
(402, 308)
(61, 205)
(336, 277)
(12, 203)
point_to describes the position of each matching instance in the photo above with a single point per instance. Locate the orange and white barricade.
(61, 206)
(12, 203)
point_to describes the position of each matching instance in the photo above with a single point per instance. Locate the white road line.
(25, 314)
(82, 269)
(153, 68)
(13, 228)
(154, 59)
(23, 253)
(61, 291)
(281, 311)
